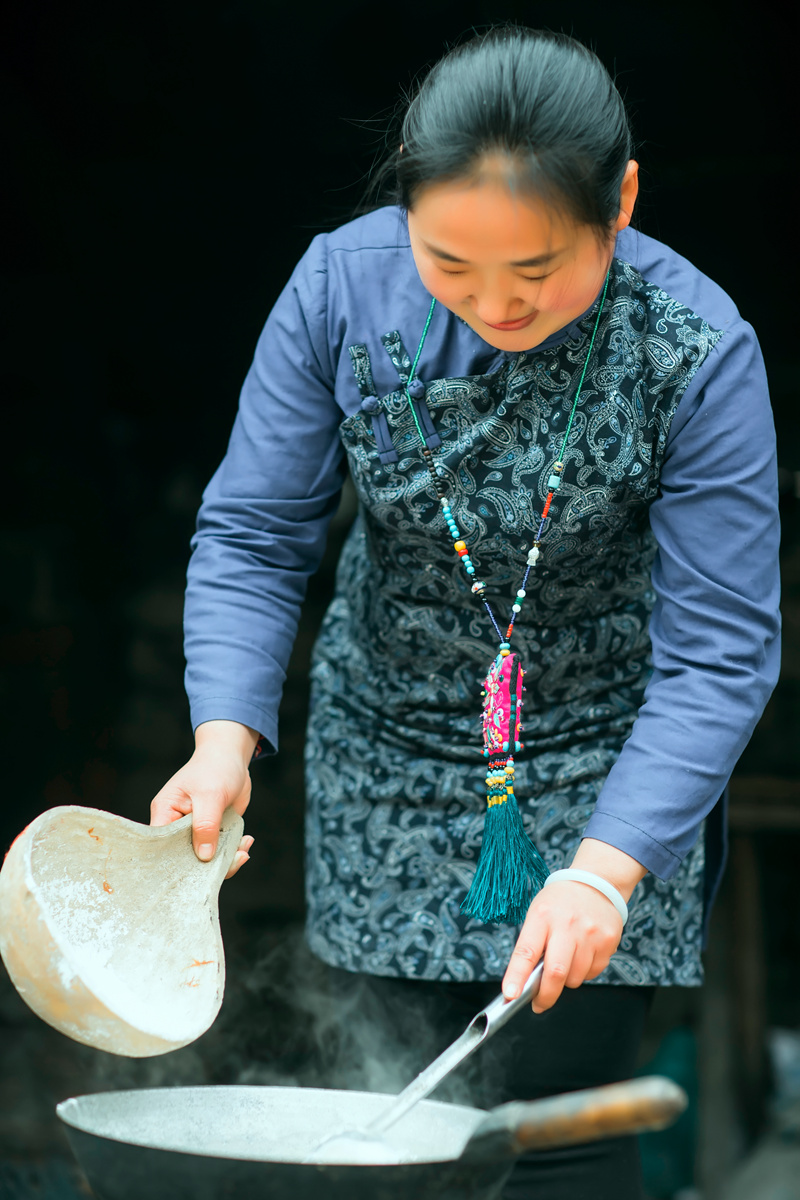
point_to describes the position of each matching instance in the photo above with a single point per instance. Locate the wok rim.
(283, 1162)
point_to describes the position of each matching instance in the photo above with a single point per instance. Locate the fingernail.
(510, 992)
(206, 851)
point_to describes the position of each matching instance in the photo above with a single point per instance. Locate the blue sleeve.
(715, 624)
(262, 524)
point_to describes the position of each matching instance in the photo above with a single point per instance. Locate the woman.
(506, 368)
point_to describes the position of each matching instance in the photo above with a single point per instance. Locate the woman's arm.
(715, 638)
(715, 626)
(260, 535)
(262, 525)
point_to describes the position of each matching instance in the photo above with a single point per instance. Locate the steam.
(297, 1022)
(290, 1020)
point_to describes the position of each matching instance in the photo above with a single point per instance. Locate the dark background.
(166, 166)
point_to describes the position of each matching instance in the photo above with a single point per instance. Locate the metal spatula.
(366, 1145)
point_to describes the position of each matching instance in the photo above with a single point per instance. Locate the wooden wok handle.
(586, 1116)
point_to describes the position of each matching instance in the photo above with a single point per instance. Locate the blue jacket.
(262, 525)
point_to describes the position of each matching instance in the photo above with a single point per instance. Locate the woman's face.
(493, 256)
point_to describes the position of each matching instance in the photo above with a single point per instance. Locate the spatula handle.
(500, 1010)
(586, 1116)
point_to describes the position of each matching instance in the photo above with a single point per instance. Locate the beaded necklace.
(510, 869)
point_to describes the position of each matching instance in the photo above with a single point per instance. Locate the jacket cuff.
(621, 834)
(230, 708)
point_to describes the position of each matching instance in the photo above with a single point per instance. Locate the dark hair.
(543, 99)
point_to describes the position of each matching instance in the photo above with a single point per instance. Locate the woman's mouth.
(509, 326)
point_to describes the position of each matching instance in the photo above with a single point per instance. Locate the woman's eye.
(527, 278)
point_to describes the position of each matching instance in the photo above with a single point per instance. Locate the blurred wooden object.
(758, 804)
(771, 1172)
(764, 803)
(734, 1060)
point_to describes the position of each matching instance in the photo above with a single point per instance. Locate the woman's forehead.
(483, 218)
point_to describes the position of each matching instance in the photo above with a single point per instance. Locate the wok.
(210, 1143)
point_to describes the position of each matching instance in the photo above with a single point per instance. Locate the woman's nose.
(496, 312)
(499, 303)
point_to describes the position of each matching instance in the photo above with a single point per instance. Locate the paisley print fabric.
(395, 778)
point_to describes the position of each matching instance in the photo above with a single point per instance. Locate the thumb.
(207, 813)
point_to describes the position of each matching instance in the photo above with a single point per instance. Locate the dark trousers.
(590, 1037)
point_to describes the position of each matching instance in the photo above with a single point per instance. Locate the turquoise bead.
(554, 482)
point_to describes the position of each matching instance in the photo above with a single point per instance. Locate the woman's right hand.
(216, 777)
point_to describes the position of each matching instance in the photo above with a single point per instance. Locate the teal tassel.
(510, 869)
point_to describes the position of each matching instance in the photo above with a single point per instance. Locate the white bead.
(521, 593)
(516, 608)
(533, 556)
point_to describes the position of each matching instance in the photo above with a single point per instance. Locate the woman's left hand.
(574, 926)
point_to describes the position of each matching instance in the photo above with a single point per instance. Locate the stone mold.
(109, 929)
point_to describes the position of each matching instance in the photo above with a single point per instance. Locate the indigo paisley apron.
(394, 766)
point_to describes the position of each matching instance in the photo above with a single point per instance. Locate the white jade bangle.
(595, 881)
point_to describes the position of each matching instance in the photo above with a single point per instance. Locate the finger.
(599, 964)
(557, 962)
(603, 953)
(207, 813)
(170, 804)
(582, 962)
(246, 843)
(527, 953)
(239, 861)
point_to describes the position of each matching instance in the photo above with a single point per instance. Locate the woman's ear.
(627, 196)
